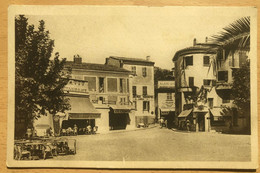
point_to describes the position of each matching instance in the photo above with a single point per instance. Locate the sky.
(96, 32)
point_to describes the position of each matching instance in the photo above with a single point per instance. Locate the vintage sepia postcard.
(132, 87)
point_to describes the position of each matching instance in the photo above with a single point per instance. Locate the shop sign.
(121, 111)
(165, 112)
(77, 86)
(83, 116)
(166, 84)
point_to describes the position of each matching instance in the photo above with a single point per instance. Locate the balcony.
(222, 85)
(141, 97)
(100, 102)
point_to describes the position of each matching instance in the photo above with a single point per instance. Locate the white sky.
(99, 32)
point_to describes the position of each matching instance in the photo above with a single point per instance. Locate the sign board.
(83, 116)
(77, 86)
(121, 111)
(166, 84)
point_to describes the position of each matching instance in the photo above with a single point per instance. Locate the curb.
(130, 130)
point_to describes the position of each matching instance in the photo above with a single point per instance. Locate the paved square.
(161, 145)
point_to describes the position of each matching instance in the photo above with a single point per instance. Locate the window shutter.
(226, 76)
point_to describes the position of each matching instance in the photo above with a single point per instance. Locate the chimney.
(206, 40)
(147, 58)
(194, 42)
(77, 59)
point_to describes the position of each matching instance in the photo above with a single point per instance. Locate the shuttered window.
(223, 76)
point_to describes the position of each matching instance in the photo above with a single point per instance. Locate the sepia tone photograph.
(132, 87)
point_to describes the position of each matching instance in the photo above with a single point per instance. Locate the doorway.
(201, 121)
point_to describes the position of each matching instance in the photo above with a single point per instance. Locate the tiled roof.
(132, 60)
(97, 67)
(198, 48)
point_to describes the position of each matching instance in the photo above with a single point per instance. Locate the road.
(156, 144)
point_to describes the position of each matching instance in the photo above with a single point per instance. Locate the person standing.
(188, 125)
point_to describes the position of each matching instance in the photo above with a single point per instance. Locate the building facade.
(80, 114)
(165, 101)
(203, 88)
(109, 92)
(229, 63)
(194, 75)
(142, 83)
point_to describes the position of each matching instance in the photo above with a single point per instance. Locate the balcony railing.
(223, 85)
(110, 102)
(142, 96)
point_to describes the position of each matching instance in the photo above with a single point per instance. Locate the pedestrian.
(166, 123)
(89, 129)
(51, 132)
(75, 129)
(95, 129)
(161, 122)
(188, 125)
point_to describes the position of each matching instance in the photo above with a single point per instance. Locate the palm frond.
(234, 37)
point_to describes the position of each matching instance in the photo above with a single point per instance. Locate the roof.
(82, 105)
(121, 108)
(96, 67)
(216, 112)
(198, 48)
(133, 60)
(185, 113)
(167, 109)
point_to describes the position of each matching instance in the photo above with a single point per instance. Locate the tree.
(39, 81)
(234, 37)
(162, 74)
(241, 91)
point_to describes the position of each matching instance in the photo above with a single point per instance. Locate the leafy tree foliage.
(38, 80)
(241, 89)
(162, 74)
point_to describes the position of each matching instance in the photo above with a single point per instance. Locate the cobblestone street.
(156, 144)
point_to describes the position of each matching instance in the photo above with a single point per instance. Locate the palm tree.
(234, 37)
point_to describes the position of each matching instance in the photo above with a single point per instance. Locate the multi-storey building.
(229, 63)
(81, 111)
(99, 95)
(198, 70)
(142, 82)
(193, 71)
(165, 101)
(109, 92)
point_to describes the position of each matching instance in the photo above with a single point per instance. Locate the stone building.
(203, 87)
(165, 101)
(109, 92)
(192, 75)
(142, 82)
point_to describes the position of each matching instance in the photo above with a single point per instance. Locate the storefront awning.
(167, 109)
(120, 109)
(185, 113)
(82, 108)
(216, 112)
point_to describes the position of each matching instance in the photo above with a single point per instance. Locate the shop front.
(220, 122)
(183, 118)
(119, 117)
(201, 118)
(81, 115)
(168, 115)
